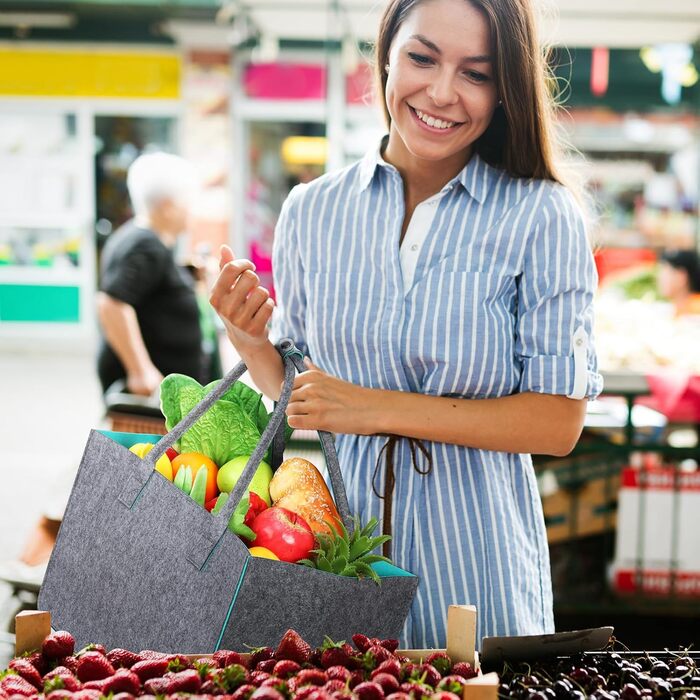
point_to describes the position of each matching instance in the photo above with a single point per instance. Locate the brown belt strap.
(390, 478)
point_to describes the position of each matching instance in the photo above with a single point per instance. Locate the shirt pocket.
(461, 332)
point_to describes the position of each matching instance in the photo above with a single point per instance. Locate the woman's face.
(441, 68)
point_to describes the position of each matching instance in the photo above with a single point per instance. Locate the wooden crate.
(32, 627)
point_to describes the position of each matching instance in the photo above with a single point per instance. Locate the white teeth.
(430, 121)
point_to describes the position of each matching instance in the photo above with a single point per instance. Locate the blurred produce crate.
(657, 549)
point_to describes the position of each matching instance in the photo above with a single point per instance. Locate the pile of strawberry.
(371, 670)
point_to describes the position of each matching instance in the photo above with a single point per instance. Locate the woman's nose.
(442, 91)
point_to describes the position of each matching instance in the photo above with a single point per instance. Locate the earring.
(386, 68)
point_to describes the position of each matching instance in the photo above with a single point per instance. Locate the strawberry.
(231, 677)
(319, 694)
(22, 667)
(210, 687)
(258, 655)
(388, 682)
(123, 681)
(338, 673)
(390, 644)
(441, 661)
(334, 685)
(444, 695)
(267, 694)
(204, 667)
(293, 647)
(390, 666)
(182, 682)
(12, 684)
(303, 693)
(335, 653)
(93, 647)
(356, 677)
(374, 656)
(70, 662)
(94, 666)
(464, 669)
(37, 660)
(285, 668)
(61, 679)
(57, 695)
(417, 690)
(224, 657)
(277, 683)
(269, 664)
(124, 696)
(311, 676)
(150, 668)
(429, 675)
(408, 671)
(361, 642)
(400, 695)
(257, 678)
(89, 694)
(146, 654)
(58, 644)
(122, 658)
(369, 690)
(452, 684)
(243, 692)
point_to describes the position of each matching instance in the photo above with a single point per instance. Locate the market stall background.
(266, 93)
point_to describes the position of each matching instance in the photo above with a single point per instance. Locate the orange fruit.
(197, 461)
(263, 552)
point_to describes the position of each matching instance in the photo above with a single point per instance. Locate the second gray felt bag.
(139, 565)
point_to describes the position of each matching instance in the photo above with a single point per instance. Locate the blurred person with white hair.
(150, 320)
(149, 316)
(147, 304)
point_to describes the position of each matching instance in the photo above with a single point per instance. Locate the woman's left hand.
(322, 402)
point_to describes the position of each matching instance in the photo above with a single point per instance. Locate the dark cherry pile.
(604, 676)
(370, 670)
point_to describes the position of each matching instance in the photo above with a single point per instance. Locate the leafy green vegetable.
(230, 428)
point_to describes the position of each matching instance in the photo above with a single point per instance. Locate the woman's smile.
(432, 123)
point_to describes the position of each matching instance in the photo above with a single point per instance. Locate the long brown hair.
(521, 137)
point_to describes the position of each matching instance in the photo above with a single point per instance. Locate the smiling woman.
(442, 288)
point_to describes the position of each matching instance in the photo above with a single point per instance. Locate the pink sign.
(285, 81)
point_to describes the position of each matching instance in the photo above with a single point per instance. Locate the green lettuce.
(230, 428)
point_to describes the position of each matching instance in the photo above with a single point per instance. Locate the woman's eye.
(476, 76)
(420, 59)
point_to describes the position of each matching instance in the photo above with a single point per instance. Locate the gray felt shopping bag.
(138, 564)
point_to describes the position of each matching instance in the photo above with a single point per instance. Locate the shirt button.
(414, 246)
(579, 342)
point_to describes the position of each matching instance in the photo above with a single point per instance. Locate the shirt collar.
(476, 176)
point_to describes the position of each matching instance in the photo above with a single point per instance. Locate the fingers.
(226, 256)
(247, 301)
(229, 278)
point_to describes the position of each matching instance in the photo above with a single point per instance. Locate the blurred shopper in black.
(679, 280)
(147, 304)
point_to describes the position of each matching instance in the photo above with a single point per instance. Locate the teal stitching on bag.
(233, 602)
(292, 352)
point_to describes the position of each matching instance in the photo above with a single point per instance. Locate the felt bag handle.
(293, 360)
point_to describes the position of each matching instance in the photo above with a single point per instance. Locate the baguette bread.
(298, 486)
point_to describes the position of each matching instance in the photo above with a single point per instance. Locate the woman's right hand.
(243, 305)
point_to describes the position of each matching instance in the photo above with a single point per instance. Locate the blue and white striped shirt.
(500, 303)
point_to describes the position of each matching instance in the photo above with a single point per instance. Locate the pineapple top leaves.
(349, 555)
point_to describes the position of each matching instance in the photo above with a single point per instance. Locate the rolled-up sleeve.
(288, 276)
(554, 331)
